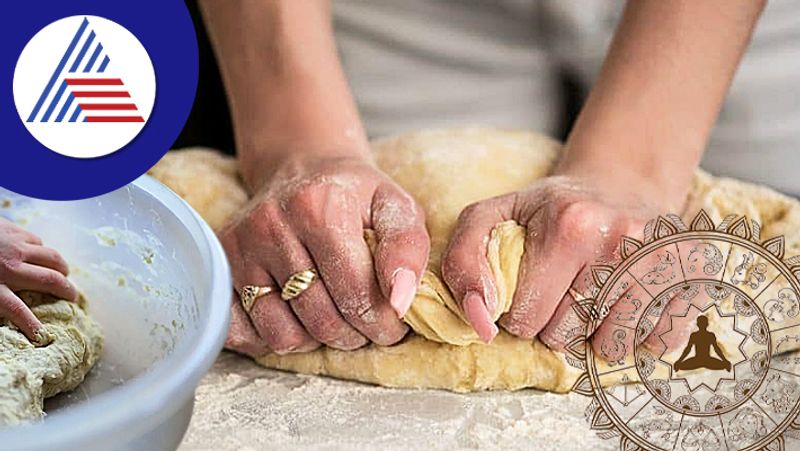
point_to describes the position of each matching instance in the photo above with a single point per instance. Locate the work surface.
(241, 406)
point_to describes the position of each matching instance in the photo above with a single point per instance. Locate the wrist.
(260, 165)
(660, 185)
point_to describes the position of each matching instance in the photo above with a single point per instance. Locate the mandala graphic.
(710, 370)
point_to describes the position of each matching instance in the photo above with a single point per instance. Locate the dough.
(214, 187)
(29, 374)
(446, 170)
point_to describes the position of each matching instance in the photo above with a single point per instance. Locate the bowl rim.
(161, 391)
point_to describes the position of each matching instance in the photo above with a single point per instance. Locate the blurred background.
(527, 64)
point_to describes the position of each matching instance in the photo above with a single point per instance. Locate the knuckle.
(11, 258)
(578, 219)
(264, 213)
(311, 202)
(53, 280)
(359, 308)
(471, 210)
(325, 327)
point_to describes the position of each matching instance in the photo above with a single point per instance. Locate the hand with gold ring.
(304, 232)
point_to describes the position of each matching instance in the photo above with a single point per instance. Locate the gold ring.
(297, 284)
(249, 293)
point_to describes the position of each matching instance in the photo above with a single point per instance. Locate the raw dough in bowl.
(446, 170)
(29, 374)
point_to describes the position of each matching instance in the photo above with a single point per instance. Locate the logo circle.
(164, 29)
(84, 86)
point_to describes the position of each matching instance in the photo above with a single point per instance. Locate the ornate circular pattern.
(718, 303)
(715, 383)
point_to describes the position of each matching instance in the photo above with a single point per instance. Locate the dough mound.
(446, 170)
(214, 187)
(29, 374)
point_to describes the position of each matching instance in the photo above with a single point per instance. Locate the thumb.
(402, 247)
(465, 266)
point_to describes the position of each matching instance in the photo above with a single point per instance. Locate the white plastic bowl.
(157, 281)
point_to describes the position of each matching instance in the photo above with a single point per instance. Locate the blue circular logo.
(94, 93)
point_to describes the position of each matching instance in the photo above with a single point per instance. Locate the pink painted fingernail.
(478, 316)
(404, 287)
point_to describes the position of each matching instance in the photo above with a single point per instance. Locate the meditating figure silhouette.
(702, 341)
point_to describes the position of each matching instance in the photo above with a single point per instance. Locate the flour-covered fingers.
(566, 323)
(13, 309)
(10, 229)
(559, 240)
(42, 280)
(402, 247)
(46, 257)
(329, 222)
(314, 307)
(270, 317)
(242, 335)
(274, 320)
(465, 266)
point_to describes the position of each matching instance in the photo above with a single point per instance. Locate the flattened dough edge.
(446, 170)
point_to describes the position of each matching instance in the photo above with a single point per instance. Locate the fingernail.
(404, 287)
(478, 316)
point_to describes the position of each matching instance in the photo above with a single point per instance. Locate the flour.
(240, 405)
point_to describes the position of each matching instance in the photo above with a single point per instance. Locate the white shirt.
(416, 64)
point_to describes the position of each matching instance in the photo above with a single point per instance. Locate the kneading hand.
(311, 214)
(572, 221)
(27, 265)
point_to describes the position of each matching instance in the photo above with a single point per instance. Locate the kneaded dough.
(29, 374)
(446, 170)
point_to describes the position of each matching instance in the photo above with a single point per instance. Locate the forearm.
(661, 88)
(286, 88)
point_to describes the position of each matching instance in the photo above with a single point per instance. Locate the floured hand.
(572, 221)
(311, 214)
(25, 264)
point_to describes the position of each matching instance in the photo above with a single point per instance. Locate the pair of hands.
(27, 265)
(312, 211)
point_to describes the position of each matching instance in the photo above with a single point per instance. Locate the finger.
(43, 280)
(565, 324)
(28, 237)
(242, 336)
(13, 309)
(330, 225)
(556, 250)
(465, 267)
(269, 316)
(616, 336)
(402, 245)
(46, 257)
(314, 307)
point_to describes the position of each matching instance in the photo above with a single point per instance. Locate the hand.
(27, 265)
(574, 219)
(312, 213)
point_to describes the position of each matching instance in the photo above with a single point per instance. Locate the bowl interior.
(150, 271)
